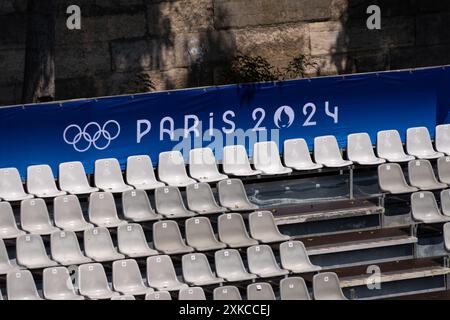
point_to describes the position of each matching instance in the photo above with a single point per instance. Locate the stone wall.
(184, 43)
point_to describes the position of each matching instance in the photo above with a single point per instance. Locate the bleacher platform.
(365, 222)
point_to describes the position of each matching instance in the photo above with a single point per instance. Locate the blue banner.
(90, 129)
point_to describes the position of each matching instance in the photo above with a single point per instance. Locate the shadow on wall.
(414, 33)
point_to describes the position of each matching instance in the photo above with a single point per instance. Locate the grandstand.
(359, 222)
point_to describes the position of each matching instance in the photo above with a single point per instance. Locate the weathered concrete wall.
(182, 43)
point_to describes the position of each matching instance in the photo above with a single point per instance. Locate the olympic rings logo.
(91, 135)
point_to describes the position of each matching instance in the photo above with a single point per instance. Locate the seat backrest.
(102, 206)
(294, 288)
(445, 201)
(228, 261)
(57, 280)
(39, 178)
(160, 270)
(235, 159)
(72, 175)
(389, 143)
(92, 277)
(442, 139)
(10, 182)
(326, 149)
(443, 165)
(167, 235)
(195, 266)
(7, 219)
(296, 152)
(67, 208)
(231, 191)
(63, 244)
(231, 225)
(34, 212)
(418, 140)
(202, 162)
(446, 234)
(266, 155)
(390, 175)
(97, 240)
(168, 199)
(126, 273)
(260, 257)
(227, 293)
(191, 293)
(158, 295)
(423, 204)
(199, 231)
(326, 287)
(260, 291)
(199, 196)
(20, 285)
(421, 171)
(261, 223)
(107, 172)
(131, 237)
(29, 247)
(140, 169)
(171, 164)
(359, 146)
(136, 202)
(293, 253)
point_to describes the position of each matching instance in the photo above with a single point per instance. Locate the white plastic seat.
(203, 167)
(161, 274)
(65, 249)
(99, 247)
(262, 262)
(328, 154)
(263, 228)
(57, 285)
(360, 150)
(442, 139)
(132, 242)
(200, 235)
(418, 144)
(140, 173)
(421, 175)
(229, 266)
(443, 166)
(167, 238)
(227, 293)
(294, 257)
(266, 158)
(93, 283)
(72, 178)
(158, 295)
(232, 231)
(297, 156)
(390, 147)
(6, 265)
(425, 209)
(260, 291)
(8, 225)
(20, 285)
(446, 231)
(127, 278)
(172, 170)
(326, 287)
(235, 162)
(31, 253)
(124, 297)
(192, 293)
(170, 204)
(34, 217)
(103, 211)
(445, 202)
(391, 179)
(196, 270)
(11, 187)
(201, 199)
(136, 206)
(108, 176)
(294, 288)
(41, 182)
(68, 214)
(232, 195)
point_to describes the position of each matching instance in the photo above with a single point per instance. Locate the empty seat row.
(420, 173)
(424, 207)
(68, 215)
(93, 284)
